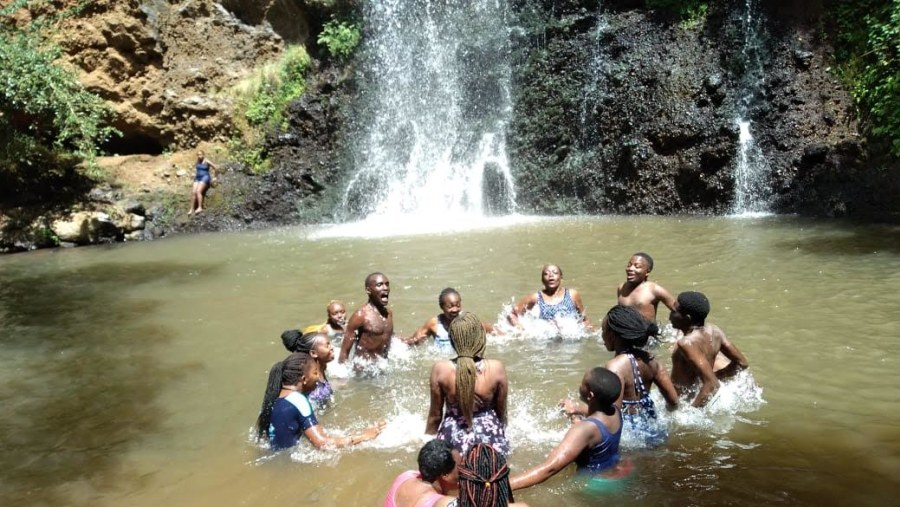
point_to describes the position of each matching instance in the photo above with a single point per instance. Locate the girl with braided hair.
(319, 347)
(286, 412)
(468, 393)
(591, 443)
(625, 331)
(484, 479)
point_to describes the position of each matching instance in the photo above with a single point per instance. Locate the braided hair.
(628, 323)
(283, 373)
(294, 341)
(484, 479)
(468, 339)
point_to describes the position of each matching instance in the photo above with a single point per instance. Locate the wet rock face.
(626, 111)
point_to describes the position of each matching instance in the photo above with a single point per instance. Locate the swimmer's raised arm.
(350, 335)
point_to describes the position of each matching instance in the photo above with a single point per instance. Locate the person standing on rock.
(202, 182)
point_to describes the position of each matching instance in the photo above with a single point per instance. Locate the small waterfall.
(594, 91)
(752, 191)
(433, 113)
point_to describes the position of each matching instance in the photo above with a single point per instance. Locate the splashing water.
(434, 112)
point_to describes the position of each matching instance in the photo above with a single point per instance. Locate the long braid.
(630, 325)
(283, 373)
(484, 478)
(468, 338)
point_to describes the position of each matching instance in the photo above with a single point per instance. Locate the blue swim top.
(202, 167)
(291, 416)
(603, 455)
(442, 336)
(565, 308)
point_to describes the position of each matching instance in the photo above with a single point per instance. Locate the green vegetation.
(690, 12)
(46, 115)
(261, 101)
(868, 53)
(340, 38)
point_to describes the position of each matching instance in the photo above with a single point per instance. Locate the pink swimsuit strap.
(405, 476)
(431, 500)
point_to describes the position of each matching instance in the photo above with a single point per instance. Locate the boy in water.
(695, 353)
(372, 326)
(641, 293)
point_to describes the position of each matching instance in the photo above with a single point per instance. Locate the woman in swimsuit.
(429, 486)
(287, 413)
(591, 443)
(553, 301)
(468, 393)
(319, 347)
(625, 330)
(450, 303)
(202, 181)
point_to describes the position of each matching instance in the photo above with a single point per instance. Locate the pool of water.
(132, 374)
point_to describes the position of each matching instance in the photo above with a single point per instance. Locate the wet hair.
(606, 387)
(468, 339)
(555, 266)
(294, 341)
(628, 323)
(446, 292)
(435, 459)
(647, 258)
(283, 373)
(371, 278)
(695, 305)
(484, 478)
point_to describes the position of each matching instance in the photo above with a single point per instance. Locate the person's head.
(337, 313)
(551, 276)
(468, 339)
(624, 327)
(484, 478)
(691, 309)
(600, 388)
(436, 461)
(378, 288)
(298, 372)
(450, 302)
(200, 155)
(639, 267)
(315, 344)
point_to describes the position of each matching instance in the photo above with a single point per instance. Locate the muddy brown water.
(131, 374)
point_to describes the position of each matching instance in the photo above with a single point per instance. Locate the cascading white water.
(594, 91)
(752, 192)
(434, 107)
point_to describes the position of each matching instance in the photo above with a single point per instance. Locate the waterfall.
(434, 105)
(594, 91)
(752, 191)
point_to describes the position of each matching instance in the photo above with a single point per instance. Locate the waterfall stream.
(434, 108)
(752, 192)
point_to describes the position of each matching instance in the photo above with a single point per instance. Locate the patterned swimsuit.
(565, 308)
(486, 428)
(640, 415)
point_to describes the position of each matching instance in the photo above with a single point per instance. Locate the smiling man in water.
(372, 326)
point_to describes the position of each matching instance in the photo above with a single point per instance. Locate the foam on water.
(736, 396)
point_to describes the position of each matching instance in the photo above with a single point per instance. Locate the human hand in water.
(572, 408)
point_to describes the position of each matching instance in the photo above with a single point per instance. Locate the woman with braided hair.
(484, 479)
(468, 393)
(286, 412)
(319, 347)
(625, 331)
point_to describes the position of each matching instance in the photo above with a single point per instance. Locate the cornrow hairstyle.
(695, 305)
(484, 479)
(283, 373)
(628, 323)
(606, 387)
(435, 459)
(647, 258)
(446, 292)
(468, 339)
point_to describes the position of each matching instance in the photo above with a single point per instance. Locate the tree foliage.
(868, 51)
(340, 38)
(43, 107)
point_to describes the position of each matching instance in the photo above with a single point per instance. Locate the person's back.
(426, 487)
(694, 357)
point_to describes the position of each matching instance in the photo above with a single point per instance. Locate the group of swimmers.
(468, 409)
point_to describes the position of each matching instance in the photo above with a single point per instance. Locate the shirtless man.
(695, 355)
(641, 293)
(372, 326)
(438, 326)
